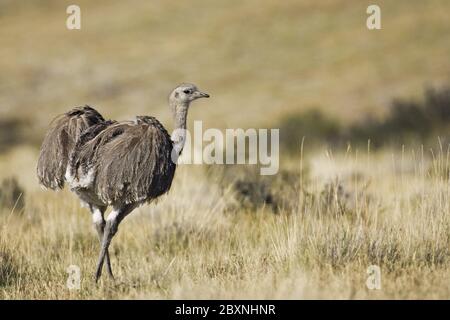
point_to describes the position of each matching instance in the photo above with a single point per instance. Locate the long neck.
(179, 111)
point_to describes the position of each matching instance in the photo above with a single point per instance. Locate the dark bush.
(10, 133)
(406, 122)
(8, 268)
(11, 195)
(252, 191)
(312, 125)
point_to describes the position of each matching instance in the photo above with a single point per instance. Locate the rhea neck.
(179, 113)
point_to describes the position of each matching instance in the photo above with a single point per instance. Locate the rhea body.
(119, 164)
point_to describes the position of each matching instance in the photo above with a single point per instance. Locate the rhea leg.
(99, 224)
(111, 226)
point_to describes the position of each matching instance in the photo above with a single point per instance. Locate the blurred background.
(308, 67)
(311, 69)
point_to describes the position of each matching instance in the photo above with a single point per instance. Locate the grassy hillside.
(264, 57)
(352, 210)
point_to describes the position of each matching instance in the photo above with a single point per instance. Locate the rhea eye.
(187, 91)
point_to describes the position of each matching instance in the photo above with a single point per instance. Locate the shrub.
(312, 125)
(407, 121)
(11, 133)
(8, 268)
(11, 194)
(252, 191)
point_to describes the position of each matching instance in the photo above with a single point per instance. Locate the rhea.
(109, 163)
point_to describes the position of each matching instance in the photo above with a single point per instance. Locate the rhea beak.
(200, 94)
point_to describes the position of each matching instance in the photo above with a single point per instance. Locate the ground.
(388, 209)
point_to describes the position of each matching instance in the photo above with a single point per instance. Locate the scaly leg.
(99, 224)
(111, 226)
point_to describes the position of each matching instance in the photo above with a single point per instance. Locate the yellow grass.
(192, 245)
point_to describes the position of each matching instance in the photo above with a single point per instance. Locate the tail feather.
(64, 132)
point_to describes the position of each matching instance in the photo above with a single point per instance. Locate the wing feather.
(59, 141)
(131, 161)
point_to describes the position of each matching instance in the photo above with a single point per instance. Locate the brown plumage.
(119, 164)
(131, 160)
(59, 141)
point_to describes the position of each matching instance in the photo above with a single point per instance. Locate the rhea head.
(186, 93)
(179, 101)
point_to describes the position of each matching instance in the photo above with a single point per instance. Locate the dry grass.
(263, 59)
(391, 209)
